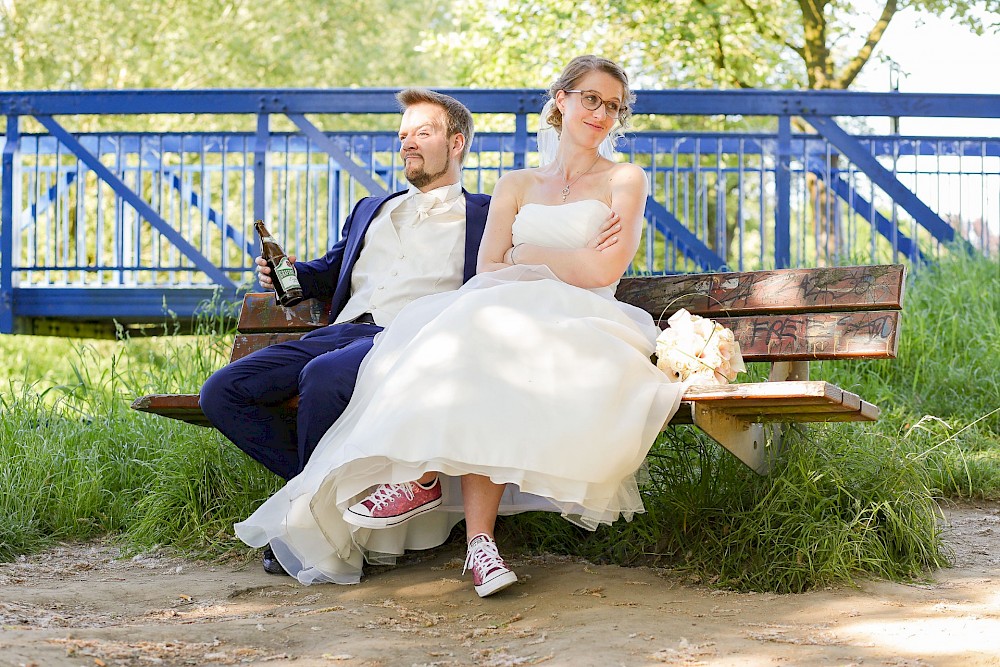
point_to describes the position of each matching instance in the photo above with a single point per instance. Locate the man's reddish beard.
(418, 178)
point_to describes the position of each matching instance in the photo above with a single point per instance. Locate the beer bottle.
(287, 291)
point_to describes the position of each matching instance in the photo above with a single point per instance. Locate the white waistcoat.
(415, 246)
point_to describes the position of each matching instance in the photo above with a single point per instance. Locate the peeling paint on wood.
(261, 314)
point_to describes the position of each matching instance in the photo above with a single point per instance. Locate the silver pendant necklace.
(565, 190)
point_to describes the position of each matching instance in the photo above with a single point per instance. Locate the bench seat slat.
(766, 401)
(245, 343)
(782, 408)
(792, 401)
(802, 414)
(868, 412)
(185, 407)
(804, 390)
(781, 291)
(763, 401)
(853, 401)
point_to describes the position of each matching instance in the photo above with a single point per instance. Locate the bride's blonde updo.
(580, 66)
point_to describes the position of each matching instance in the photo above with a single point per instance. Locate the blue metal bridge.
(135, 227)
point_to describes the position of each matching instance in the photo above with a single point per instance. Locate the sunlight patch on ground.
(931, 636)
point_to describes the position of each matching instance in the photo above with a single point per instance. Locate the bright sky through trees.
(936, 55)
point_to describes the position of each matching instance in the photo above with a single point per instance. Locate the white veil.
(548, 139)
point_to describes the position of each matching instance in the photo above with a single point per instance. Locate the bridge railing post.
(783, 194)
(10, 192)
(520, 140)
(260, 148)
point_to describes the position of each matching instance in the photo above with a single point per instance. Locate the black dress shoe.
(270, 563)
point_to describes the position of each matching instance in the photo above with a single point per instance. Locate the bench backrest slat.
(768, 292)
(781, 315)
(260, 314)
(801, 336)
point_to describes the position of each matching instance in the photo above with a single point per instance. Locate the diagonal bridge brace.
(882, 177)
(690, 245)
(155, 161)
(144, 209)
(864, 208)
(343, 160)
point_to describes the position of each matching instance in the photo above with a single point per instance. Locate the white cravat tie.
(424, 204)
(418, 206)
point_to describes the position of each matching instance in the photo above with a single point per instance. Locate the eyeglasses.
(592, 101)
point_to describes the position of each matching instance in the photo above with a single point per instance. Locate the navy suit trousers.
(243, 399)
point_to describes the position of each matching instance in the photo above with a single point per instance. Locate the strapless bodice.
(570, 225)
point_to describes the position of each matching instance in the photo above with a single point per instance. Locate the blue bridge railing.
(126, 226)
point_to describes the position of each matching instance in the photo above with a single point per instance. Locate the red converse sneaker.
(489, 574)
(393, 504)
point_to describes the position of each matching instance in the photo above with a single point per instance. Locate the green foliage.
(950, 341)
(941, 395)
(114, 44)
(214, 43)
(202, 486)
(695, 43)
(178, 44)
(75, 460)
(66, 474)
(836, 508)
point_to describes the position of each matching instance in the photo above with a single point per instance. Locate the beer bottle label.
(286, 274)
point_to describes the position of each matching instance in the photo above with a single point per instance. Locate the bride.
(530, 388)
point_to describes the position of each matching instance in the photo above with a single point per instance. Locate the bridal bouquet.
(698, 349)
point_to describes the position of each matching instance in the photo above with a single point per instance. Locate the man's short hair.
(459, 117)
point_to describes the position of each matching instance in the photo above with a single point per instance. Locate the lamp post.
(894, 73)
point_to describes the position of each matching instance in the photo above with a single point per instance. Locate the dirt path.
(78, 605)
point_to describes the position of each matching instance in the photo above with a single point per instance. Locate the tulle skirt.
(542, 386)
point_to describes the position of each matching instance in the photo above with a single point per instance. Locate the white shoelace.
(385, 494)
(483, 556)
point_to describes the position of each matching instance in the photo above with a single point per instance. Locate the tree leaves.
(187, 44)
(685, 43)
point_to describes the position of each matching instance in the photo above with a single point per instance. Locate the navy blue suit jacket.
(329, 277)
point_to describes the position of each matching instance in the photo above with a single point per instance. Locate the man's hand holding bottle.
(264, 272)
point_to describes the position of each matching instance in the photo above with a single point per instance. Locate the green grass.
(844, 501)
(76, 462)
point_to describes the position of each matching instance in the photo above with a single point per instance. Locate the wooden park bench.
(787, 317)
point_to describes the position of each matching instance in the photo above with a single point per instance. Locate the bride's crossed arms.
(620, 186)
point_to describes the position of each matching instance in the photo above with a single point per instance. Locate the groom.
(394, 249)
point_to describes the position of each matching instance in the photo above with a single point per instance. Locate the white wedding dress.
(541, 385)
